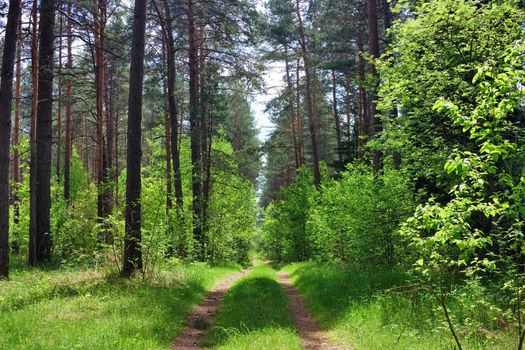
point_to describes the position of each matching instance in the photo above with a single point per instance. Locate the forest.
(262, 174)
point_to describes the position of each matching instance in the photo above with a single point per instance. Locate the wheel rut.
(313, 337)
(200, 319)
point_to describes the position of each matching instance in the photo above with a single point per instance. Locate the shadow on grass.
(255, 304)
(108, 313)
(331, 291)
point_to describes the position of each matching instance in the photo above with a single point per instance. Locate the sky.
(273, 82)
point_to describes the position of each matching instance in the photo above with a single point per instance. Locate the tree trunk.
(373, 46)
(348, 110)
(132, 240)
(206, 136)
(6, 99)
(108, 151)
(44, 129)
(300, 140)
(17, 178)
(167, 144)
(336, 114)
(33, 261)
(59, 101)
(195, 137)
(167, 127)
(102, 165)
(69, 108)
(362, 121)
(292, 110)
(167, 22)
(310, 101)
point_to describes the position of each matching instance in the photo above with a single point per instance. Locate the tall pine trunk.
(44, 129)
(167, 26)
(336, 113)
(132, 240)
(103, 155)
(17, 177)
(292, 110)
(69, 108)
(195, 137)
(373, 46)
(33, 260)
(299, 115)
(59, 101)
(6, 98)
(313, 120)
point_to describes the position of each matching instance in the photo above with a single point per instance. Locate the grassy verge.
(88, 310)
(356, 308)
(254, 315)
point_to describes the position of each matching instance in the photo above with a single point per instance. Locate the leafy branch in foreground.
(479, 231)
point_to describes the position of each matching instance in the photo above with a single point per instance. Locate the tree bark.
(300, 140)
(33, 261)
(167, 21)
(44, 129)
(336, 113)
(310, 101)
(373, 46)
(108, 150)
(6, 98)
(362, 121)
(132, 240)
(195, 137)
(103, 149)
(292, 110)
(17, 178)
(59, 100)
(167, 146)
(69, 108)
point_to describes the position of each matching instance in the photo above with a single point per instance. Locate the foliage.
(351, 219)
(479, 232)
(232, 211)
(284, 228)
(436, 54)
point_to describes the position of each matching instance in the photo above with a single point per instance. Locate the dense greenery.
(390, 183)
(447, 207)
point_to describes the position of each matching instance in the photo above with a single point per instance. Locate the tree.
(33, 239)
(69, 106)
(373, 47)
(44, 130)
(195, 133)
(313, 119)
(166, 20)
(132, 241)
(6, 97)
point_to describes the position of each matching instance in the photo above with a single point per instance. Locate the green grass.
(356, 308)
(82, 309)
(254, 315)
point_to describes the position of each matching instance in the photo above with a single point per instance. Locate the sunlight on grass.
(85, 310)
(355, 308)
(254, 315)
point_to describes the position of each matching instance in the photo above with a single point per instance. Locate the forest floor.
(260, 311)
(297, 306)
